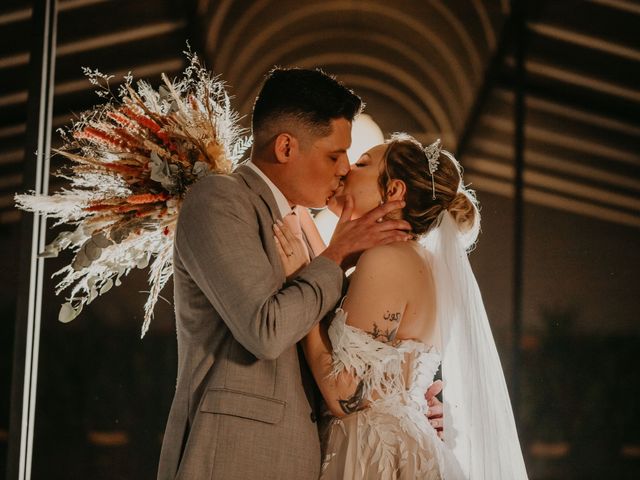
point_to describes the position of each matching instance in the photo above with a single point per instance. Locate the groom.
(244, 403)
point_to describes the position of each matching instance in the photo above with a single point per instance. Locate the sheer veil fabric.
(480, 427)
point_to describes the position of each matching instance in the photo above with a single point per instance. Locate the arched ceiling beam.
(586, 41)
(275, 56)
(622, 5)
(215, 24)
(72, 86)
(458, 27)
(234, 36)
(485, 21)
(504, 187)
(399, 97)
(591, 196)
(581, 145)
(101, 41)
(579, 79)
(571, 113)
(230, 48)
(564, 166)
(401, 76)
(25, 13)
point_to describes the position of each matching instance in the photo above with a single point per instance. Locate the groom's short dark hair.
(309, 98)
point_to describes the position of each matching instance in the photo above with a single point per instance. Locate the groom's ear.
(396, 190)
(286, 147)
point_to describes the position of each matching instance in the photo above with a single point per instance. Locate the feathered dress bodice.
(390, 438)
(405, 369)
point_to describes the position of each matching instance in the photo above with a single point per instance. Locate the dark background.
(431, 68)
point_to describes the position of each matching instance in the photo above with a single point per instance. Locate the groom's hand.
(352, 237)
(436, 413)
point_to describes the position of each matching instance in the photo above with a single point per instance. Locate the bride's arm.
(375, 304)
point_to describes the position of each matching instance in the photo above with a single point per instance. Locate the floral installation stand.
(133, 159)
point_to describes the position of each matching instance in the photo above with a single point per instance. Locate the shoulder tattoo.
(391, 316)
(388, 335)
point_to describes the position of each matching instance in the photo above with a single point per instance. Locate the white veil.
(479, 423)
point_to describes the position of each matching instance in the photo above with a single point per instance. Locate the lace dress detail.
(391, 438)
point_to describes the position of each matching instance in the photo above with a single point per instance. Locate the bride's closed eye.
(362, 161)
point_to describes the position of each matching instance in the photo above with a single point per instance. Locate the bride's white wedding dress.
(391, 438)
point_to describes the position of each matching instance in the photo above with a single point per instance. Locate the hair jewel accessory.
(433, 154)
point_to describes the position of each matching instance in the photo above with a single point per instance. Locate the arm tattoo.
(352, 404)
(392, 317)
(387, 335)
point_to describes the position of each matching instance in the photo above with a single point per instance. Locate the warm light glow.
(326, 222)
(365, 133)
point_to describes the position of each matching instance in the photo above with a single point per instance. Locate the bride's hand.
(436, 413)
(292, 249)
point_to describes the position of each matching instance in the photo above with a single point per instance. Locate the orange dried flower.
(147, 198)
(95, 135)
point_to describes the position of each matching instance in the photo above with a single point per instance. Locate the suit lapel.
(257, 185)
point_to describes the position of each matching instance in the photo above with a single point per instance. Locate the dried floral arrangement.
(132, 160)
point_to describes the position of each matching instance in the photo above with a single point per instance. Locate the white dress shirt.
(283, 204)
(303, 220)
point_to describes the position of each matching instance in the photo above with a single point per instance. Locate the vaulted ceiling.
(432, 68)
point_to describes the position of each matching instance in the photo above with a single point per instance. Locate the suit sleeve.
(220, 245)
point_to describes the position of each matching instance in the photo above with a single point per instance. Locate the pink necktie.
(292, 221)
(311, 231)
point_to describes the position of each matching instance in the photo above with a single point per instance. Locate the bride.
(410, 306)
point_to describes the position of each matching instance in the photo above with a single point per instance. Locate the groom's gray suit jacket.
(240, 409)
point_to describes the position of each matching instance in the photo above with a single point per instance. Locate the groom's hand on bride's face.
(352, 237)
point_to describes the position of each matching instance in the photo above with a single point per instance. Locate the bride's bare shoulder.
(401, 257)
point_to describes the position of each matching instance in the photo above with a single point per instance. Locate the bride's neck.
(395, 215)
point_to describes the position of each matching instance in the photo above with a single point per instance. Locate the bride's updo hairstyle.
(405, 160)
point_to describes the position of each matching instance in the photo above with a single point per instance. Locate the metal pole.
(36, 177)
(519, 14)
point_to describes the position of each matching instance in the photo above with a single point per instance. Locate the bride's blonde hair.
(406, 160)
